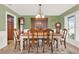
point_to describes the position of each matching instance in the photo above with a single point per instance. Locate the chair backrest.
(16, 34)
(48, 33)
(35, 33)
(51, 33)
(30, 35)
(64, 33)
(58, 27)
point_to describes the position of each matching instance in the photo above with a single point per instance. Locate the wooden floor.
(10, 50)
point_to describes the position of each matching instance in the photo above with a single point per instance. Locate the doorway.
(10, 27)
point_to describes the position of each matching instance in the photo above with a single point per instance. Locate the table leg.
(28, 45)
(21, 43)
(51, 46)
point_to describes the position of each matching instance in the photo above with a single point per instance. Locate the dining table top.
(41, 34)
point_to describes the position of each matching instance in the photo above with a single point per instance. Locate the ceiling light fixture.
(39, 15)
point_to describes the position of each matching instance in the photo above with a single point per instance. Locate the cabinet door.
(39, 23)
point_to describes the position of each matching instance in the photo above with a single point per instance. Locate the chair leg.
(64, 43)
(37, 47)
(42, 43)
(38, 43)
(49, 44)
(15, 44)
(51, 47)
(43, 46)
(29, 47)
(60, 42)
(24, 44)
(19, 44)
(43, 49)
(56, 43)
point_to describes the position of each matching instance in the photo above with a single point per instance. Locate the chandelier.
(39, 15)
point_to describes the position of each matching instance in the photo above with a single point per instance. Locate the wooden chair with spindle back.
(63, 38)
(51, 42)
(16, 38)
(33, 39)
(45, 38)
(58, 28)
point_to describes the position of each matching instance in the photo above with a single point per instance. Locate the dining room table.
(28, 37)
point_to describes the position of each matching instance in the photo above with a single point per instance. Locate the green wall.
(27, 21)
(51, 21)
(3, 10)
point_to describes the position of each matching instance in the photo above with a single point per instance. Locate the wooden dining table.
(28, 37)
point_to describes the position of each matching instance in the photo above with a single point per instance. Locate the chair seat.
(62, 39)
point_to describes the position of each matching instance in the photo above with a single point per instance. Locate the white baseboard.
(3, 39)
(73, 42)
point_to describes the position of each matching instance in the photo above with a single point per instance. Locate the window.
(71, 27)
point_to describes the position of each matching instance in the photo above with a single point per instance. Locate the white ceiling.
(47, 9)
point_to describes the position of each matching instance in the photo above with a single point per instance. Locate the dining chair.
(57, 27)
(33, 39)
(63, 38)
(29, 39)
(17, 39)
(56, 40)
(25, 39)
(51, 42)
(45, 38)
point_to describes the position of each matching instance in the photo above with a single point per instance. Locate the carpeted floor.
(61, 50)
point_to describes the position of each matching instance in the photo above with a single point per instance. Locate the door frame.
(8, 13)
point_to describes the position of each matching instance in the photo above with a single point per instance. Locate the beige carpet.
(10, 50)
